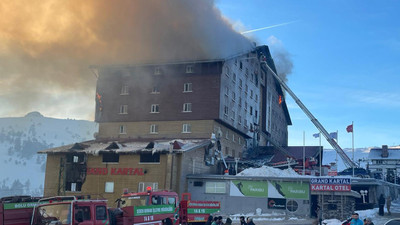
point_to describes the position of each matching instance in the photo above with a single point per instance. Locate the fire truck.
(17, 210)
(144, 208)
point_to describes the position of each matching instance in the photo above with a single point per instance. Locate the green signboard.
(153, 209)
(201, 211)
(249, 188)
(270, 189)
(288, 190)
(20, 205)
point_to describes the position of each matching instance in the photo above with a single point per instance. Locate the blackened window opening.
(110, 157)
(149, 157)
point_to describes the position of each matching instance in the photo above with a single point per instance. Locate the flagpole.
(304, 153)
(352, 138)
(320, 155)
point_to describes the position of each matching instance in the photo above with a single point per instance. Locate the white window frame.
(155, 90)
(233, 138)
(123, 109)
(73, 187)
(157, 70)
(186, 128)
(187, 87)
(155, 108)
(75, 159)
(122, 129)
(124, 90)
(187, 107)
(109, 187)
(189, 69)
(215, 187)
(153, 129)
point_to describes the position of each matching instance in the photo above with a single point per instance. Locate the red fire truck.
(145, 208)
(17, 210)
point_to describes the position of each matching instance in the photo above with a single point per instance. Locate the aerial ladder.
(347, 161)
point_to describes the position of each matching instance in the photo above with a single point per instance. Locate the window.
(239, 119)
(155, 90)
(110, 157)
(235, 62)
(240, 65)
(216, 187)
(227, 135)
(227, 71)
(233, 138)
(122, 129)
(186, 128)
(153, 129)
(240, 140)
(240, 83)
(251, 110)
(123, 109)
(256, 113)
(245, 123)
(157, 70)
(155, 108)
(187, 87)
(189, 69)
(82, 213)
(73, 186)
(143, 185)
(75, 158)
(256, 98)
(234, 78)
(187, 107)
(226, 110)
(240, 101)
(148, 157)
(245, 106)
(101, 213)
(226, 91)
(233, 96)
(247, 72)
(246, 89)
(109, 188)
(125, 90)
(233, 115)
(251, 94)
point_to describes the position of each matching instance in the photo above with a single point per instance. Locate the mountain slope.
(20, 139)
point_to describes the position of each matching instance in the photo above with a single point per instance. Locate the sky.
(346, 68)
(345, 56)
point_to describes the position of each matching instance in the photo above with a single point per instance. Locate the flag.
(316, 135)
(333, 135)
(349, 128)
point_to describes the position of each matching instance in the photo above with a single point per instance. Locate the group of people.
(218, 221)
(355, 220)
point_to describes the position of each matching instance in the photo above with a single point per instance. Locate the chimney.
(385, 152)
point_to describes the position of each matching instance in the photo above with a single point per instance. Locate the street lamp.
(363, 193)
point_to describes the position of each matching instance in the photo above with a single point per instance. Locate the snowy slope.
(22, 169)
(359, 154)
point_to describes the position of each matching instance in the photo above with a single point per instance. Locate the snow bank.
(266, 171)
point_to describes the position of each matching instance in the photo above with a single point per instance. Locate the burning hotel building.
(156, 122)
(234, 98)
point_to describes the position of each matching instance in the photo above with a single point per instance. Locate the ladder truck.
(347, 161)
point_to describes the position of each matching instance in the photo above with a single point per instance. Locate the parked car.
(358, 172)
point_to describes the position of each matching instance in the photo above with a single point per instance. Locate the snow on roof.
(394, 153)
(266, 171)
(95, 147)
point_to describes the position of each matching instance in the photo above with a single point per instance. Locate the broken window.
(148, 157)
(110, 157)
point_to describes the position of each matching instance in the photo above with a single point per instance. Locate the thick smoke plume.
(281, 56)
(47, 46)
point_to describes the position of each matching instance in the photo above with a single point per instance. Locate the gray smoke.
(281, 56)
(46, 46)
